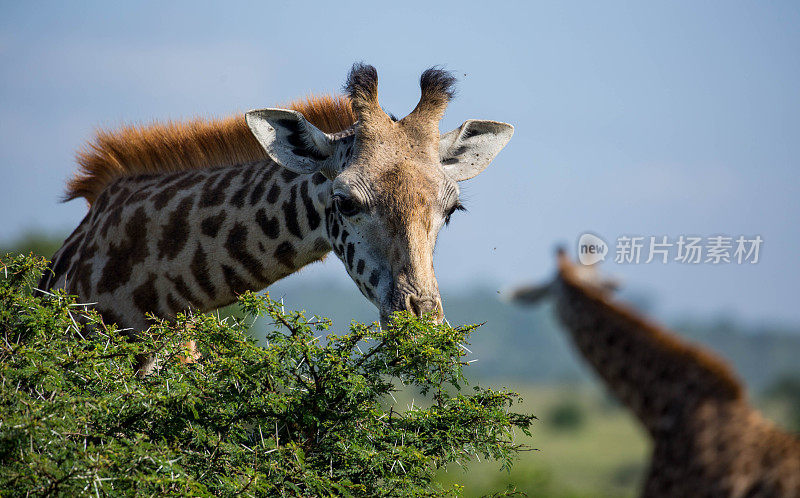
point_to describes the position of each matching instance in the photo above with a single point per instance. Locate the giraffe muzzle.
(416, 303)
(424, 305)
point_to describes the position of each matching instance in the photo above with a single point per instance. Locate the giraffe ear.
(468, 150)
(290, 140)
(531, 295)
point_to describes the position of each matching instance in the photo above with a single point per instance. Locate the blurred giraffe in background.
(708, 440)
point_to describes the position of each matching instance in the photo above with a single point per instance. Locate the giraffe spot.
(165, 194)
(270, 226)
(173, 304)
(261, 181)
(63, 260)
(235, 283)
(345, 234)
(257, 193)
(318, 179)
(199, 269)
(374, 278)
(288, 175)
(145, 297)
(351, 250)
(211, 225)
(213, 190)
(290, 213)
(120, 196)
(274, 193)
(285, 253)
(182, 288)
(273, 168)
(236, 244)
(124, 256)
(102, 201)
(176, 232)
(113, 219)
(334, 229)
(167, 179)
(237, 199)
(248, 172)
(360, 267)
(82, 274)
(141, 194)
(311, 211)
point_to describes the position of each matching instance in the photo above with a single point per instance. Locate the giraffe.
(708, 440)
(186, 216)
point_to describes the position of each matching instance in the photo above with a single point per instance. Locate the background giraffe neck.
(655, 374)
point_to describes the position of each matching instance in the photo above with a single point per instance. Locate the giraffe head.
(587, 278)
(391, 184)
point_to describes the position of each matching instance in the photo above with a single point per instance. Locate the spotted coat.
(191, 240)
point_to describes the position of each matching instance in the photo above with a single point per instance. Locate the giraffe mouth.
(418, 304)
(386, 318)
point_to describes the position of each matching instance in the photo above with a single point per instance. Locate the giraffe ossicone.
(188, 216)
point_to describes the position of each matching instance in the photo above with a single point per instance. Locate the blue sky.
(664, 119)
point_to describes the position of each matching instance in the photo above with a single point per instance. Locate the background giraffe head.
(389, 185)
(586, 275)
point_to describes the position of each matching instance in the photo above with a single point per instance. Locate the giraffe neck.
(276, 226)
(192, 240)
(655, 374)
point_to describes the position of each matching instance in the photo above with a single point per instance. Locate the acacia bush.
(309, 413)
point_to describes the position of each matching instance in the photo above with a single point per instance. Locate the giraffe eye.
(456, 207)
(347, 205)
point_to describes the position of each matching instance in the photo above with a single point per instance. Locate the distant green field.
(600, 452)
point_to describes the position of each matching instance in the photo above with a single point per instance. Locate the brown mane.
(669, 341)
(178, 146)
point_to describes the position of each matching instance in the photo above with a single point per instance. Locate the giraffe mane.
(691, 353)
(171, 146)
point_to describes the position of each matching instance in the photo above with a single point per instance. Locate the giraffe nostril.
(414, 306)
(420, 306)
(409, 304)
